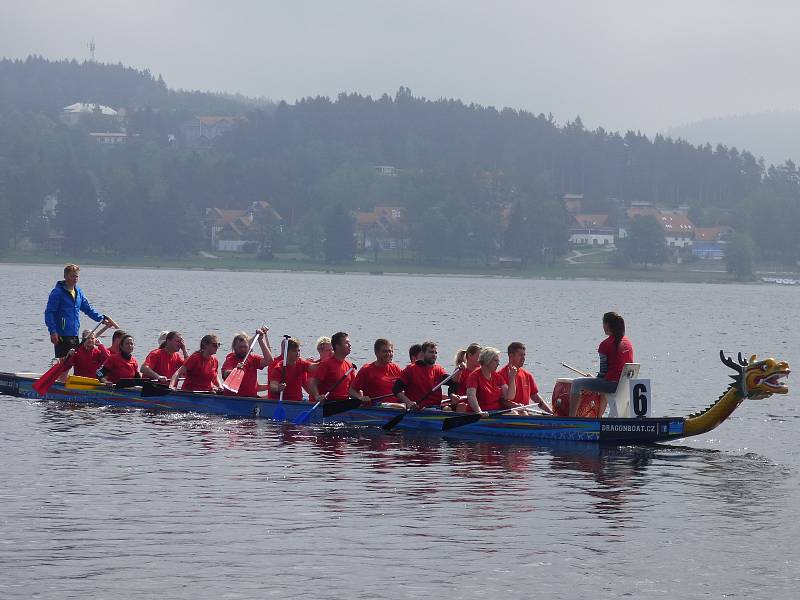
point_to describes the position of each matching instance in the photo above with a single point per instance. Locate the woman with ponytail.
(615, 351)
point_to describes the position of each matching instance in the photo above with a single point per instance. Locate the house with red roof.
(591, 230)
(709, 242)
(232, 229)
(382, 228)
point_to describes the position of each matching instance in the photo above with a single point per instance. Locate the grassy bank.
(242, 262)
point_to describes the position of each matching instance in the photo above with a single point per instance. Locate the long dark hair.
(616, 325)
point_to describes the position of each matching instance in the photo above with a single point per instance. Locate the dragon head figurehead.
(757, 379)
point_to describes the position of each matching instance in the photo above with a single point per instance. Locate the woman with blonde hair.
(486, 389)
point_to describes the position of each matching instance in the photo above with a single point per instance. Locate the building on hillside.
(709, 242)
(200, 132)
(234, 230)
(386, 170)
(109, 139)
(573, 203)
(678, 229)
(71, 115)
(382, 228)
(591, 230)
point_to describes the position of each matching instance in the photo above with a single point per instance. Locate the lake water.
(110, 503)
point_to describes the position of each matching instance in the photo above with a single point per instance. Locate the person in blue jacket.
(62, 315)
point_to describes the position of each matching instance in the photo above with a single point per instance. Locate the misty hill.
(470, 179)
(773, 135)
(43, 86)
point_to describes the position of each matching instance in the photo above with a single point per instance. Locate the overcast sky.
(622, 65)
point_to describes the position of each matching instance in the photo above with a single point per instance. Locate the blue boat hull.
(616, 431)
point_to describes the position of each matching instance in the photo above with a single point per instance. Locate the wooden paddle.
(49, 377)
(280, 412)
(394, 421)
(578, 371)
(339, 406)
(234, 379)
(305, 416)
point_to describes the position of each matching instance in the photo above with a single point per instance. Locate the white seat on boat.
(618, 403)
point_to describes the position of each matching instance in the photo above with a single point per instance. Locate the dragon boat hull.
(611, 431)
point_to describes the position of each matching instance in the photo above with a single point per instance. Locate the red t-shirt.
(249, 386)
(526, 385)
(295, 377)
(376, 380)
(201, 373)
(488, 391)
(116, 368)
(86, 362)
(419, 379)
(328, 372)
(617, 357)
(163, 362)
(461, 387)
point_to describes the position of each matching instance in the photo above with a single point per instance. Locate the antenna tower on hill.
(91, 47)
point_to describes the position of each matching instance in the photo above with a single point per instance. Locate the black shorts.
(65, 344)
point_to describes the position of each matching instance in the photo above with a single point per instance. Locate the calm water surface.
(110, 503)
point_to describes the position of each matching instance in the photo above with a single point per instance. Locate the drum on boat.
(589, 406)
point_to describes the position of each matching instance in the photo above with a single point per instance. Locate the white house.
(72, 114)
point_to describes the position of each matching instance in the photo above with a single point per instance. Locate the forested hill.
(475, 180)
(775, 135)
(43, 86)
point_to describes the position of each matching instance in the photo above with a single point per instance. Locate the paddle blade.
(280, 412)
(339, 406)
(46, 381)
(304, 417)
(394, 421)
(151, 390)
(234, 380)
(75, 380)
(460, 420)
(128, 383)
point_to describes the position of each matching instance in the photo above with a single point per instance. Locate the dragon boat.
(753, 379)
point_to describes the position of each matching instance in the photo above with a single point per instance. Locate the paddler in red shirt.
(418, 379)
(200, 369)
(121, 365)
(170, 355)
(332, 370)
(290, 380)
(527, 392)
(466, 361)
(239, 347)
(615, 352)
(377, 378)
(414, 353)
(486, 389)
(89, 356)
(116, 338)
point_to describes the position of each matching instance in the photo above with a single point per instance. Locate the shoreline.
(559, 272)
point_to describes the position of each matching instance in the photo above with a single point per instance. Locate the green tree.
(516, 235)
(645, 242)
(739, 254)
(78, 211)
(310, 234)
(340, 243)
(6, 227)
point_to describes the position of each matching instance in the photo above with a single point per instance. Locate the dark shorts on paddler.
(65, 344)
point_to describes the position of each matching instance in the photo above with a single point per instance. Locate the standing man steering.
(62, 315)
